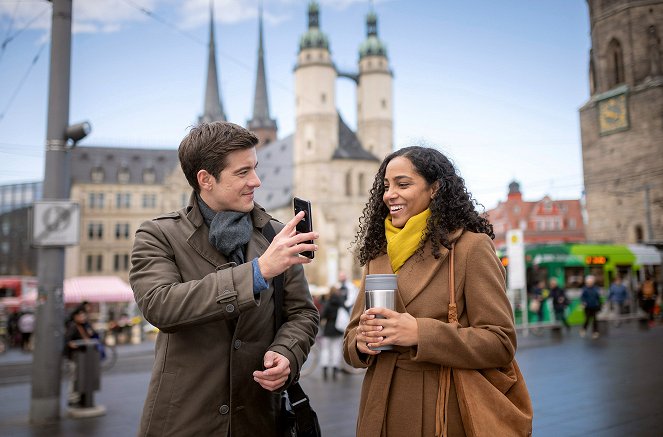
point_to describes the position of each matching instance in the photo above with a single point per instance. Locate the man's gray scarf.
(229, 231)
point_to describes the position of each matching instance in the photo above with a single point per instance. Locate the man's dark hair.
(207, 147)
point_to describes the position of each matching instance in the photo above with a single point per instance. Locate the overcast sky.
(494, 84)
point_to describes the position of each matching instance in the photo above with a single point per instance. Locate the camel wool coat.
(400, 388)
(213, 331)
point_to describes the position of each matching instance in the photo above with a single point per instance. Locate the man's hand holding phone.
(285, 249)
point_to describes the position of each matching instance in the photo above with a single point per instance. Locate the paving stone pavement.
(612, 386)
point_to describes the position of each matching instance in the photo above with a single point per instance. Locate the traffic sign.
(55, 223)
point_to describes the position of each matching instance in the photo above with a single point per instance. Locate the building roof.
(313, 38)
(213, 109)
(349, 146)
(275, 170)
(372, 45)
(261, 118)
(109, 165)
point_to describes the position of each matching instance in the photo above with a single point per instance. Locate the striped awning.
(97, 289)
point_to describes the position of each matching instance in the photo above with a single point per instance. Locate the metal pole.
(49, 338)
(650, 228)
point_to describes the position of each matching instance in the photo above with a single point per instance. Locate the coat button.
(230, 308)
(237, 344)
(223, 409)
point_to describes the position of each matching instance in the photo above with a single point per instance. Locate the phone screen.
(306, 225)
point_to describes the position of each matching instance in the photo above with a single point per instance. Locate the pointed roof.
(213, 109)
(349, 146)
(261, 117)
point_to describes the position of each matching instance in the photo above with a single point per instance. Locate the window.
(122, 231)
(123, 200)
(572, 223)
(323, 98)
(96, 200)
(362, 188)
(123, 175)
(95, 231)
(121, 262)
(615, 63)
(149, 176)
(574, 276)
(94, 263)
(149, 200)
(348, 184)
(97, 175)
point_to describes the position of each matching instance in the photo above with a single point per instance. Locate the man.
(202, 275)
(591, 300)
(560, 302)
(617, 295)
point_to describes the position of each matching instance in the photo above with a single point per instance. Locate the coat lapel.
(417, 272)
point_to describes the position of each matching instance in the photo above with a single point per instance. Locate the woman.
(418, 208)
(332, 338)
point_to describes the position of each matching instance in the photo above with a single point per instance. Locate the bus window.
(597, 272)
(7, 291)
(575, 277)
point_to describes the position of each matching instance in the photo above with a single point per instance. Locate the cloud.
(90, 16)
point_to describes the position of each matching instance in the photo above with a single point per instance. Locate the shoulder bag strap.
(269, 233)
(304, 414)
(453, 312)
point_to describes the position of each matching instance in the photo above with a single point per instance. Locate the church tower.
(621, 124)
(261, 124)
(374, 93)
(213, 109)
(316, 119)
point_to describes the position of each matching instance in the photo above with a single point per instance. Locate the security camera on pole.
(56, 221)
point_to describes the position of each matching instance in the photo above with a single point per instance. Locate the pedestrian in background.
(617, 297)
(591, 300)
(559, 301)
(331, 343)
(26, 326)
(418, 209)
(647, 296)
(79, 329)
(204, 275)
(539, 295)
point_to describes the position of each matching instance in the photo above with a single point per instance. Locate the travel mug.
(380, 293)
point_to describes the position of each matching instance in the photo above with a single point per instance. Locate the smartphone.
(306, 225)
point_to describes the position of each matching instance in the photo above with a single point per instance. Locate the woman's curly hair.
(452, 206)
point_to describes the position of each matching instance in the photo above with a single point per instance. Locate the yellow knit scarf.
(402, 243)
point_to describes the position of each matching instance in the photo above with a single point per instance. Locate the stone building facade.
(323, 161)
(118, 189)
(334, 167)
(622, 123)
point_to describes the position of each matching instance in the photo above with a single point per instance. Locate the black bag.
(297, 418)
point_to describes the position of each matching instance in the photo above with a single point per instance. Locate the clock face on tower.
(613, 115)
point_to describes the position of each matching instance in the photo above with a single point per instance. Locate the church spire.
(261, 124)
(213, 110)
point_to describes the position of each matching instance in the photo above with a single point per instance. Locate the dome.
(313, 38)
(372, 46)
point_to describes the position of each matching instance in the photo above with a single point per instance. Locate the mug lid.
(381, 282)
